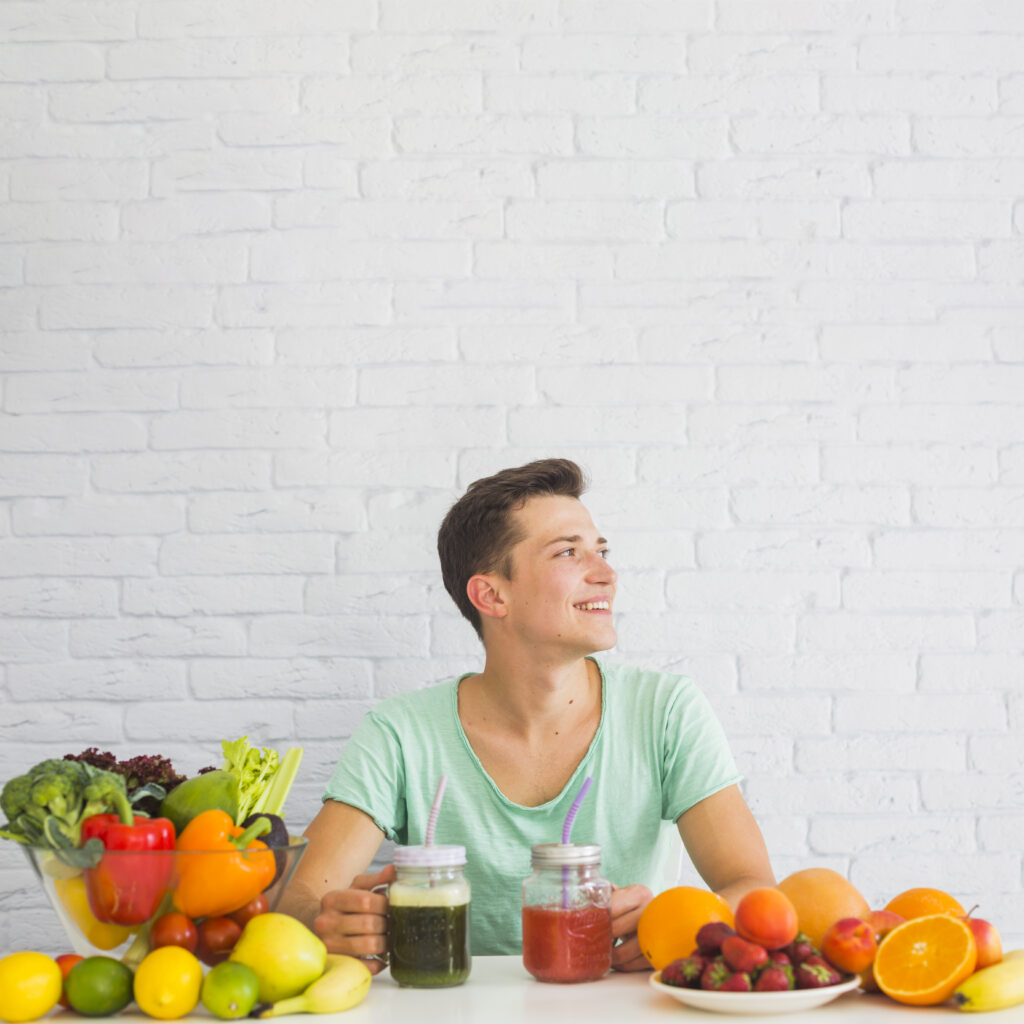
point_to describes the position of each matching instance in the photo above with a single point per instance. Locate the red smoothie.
(567, 944)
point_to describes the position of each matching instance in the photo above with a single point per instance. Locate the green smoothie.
(428, 934)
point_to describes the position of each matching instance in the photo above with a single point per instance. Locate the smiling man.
(524, 562)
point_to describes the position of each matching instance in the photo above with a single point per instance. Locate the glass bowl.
(68, 876)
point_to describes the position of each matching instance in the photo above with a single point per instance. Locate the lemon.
(30, 985)
(167, 983)
(98, 986)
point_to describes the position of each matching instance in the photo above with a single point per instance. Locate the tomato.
(217, 937)
(174, 929)
(256, 906)
(65, 962)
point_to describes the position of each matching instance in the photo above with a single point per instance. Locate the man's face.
(562, 588)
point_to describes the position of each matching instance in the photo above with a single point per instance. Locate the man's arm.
(726, 845)
(327, 892)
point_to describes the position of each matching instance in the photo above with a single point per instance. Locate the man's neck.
(526, 699)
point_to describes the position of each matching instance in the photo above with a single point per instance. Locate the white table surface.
(499, 991)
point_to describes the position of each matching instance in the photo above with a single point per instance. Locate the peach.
(883, 922)
(849, 944)
(766, 916)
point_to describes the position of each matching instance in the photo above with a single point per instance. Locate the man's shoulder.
(618, 673)
(425, 700)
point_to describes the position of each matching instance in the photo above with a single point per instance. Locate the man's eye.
(567, 551)
(604, 553)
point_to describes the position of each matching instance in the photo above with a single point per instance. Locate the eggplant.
(277, 839)
(217, 789)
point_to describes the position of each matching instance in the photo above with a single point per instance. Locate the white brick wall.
(277, 282)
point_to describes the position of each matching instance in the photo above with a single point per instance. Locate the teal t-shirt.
(658, 750)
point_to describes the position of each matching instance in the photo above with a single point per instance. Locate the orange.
(922, 901)
(668, 925)
(822, 897)
(922, 961)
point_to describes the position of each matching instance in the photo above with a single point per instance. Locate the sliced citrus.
(922, 901)
(668, 926)
(922, 961)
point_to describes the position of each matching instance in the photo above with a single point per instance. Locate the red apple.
(990, 946)
(883, 922)
(849, 945)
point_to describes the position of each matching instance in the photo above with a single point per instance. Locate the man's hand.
(354, 920)
(627, 905)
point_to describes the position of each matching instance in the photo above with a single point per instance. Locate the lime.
(30, 985)
(98, 986)
(167, 982)
(230, 990)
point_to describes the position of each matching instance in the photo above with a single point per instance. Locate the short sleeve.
(697, 760)
(370, 775)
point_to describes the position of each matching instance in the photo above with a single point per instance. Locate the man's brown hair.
(478, 533)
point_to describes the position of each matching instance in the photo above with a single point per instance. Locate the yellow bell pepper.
(71, 893)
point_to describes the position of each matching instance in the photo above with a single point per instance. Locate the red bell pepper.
(128, 883)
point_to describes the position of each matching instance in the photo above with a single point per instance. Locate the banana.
(995, 987)
(343, 984)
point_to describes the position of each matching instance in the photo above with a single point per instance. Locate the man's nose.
(600, 569)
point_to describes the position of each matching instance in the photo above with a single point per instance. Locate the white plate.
(754, 1002)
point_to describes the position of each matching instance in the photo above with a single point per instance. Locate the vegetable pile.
(125, 843)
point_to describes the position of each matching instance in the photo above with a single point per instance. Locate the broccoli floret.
(46, 805)
(57, 788)
(17, 793)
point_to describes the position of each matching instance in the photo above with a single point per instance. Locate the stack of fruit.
(277, 966)
(815, 929)
(761, 950)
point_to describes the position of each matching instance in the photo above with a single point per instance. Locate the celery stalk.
(271, 800)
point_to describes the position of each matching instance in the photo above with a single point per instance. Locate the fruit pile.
(764, 952)
(815, 929)
(277, 966)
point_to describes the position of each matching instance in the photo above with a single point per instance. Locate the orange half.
(922, 961)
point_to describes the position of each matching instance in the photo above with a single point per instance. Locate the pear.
(283, 952)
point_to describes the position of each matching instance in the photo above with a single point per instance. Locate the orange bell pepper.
(220, 866)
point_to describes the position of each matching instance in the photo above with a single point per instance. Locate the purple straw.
(574, 810)
(567, 832)
(434, 811)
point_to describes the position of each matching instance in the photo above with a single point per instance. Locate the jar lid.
(428, 856)
(565, 854)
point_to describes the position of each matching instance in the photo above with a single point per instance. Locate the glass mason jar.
(428, 917)
(567, 915)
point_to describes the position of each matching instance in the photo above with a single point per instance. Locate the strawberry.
(742, 955)
(711, 936)
(736, 982)
(684, 972)
(815, 972)
(799, 949)
(774, 979)
(715, 974)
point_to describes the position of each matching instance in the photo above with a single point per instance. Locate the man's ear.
(482, 591)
